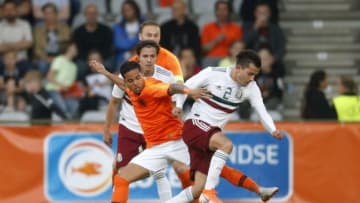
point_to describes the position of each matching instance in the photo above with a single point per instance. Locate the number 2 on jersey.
(227, 93)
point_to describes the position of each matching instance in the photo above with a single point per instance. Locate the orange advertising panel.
(325, 161)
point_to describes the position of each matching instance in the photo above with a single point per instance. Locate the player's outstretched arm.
(256, 101)
(100, 68)
(196, 93)
(110, 114)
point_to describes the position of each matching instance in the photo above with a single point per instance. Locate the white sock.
(184, 196)
(217, 163)
(163, 185)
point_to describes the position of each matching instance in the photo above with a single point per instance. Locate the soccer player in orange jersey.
(150, 30)
(162, 130)
(130, 134)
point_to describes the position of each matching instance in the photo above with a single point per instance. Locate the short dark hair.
(49, 5)
(33, 75)
(247, 57)
(148, 23)
(64, 46)
(227, 3)
(147, 43)
(128, 66)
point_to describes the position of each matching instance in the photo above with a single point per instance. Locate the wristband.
(186, 90)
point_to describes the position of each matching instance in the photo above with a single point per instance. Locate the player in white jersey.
(208, 146)
(130, 135)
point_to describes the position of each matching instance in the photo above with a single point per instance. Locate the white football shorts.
(160, 156)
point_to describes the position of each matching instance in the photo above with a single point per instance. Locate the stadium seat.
(143, 4)
(205, 18)
(162, 14)
(55, 118)
(209, 61)
(14, 117)
(236, 5)
(275, 115)
(200, 7)
(93, 116)
(115, 6)
(99, 4)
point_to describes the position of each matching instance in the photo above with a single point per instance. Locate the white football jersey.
(127, 115)
(226, 95)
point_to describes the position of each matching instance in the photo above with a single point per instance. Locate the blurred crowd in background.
(45, 46)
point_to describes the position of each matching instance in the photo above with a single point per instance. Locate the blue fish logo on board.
(78, 167)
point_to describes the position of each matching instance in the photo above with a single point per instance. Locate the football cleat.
(209, 196)
(267, 193)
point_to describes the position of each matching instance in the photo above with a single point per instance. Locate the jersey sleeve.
(173, 64)
(157, 90)
(178, 74)
(172, 79)
(257, 103)
(117, 92)
(196, 81)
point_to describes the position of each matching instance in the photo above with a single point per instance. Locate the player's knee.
(224, 145)
(227, 146)
(179, 167)
(221, 142)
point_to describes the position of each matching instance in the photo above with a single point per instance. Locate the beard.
(10, 19)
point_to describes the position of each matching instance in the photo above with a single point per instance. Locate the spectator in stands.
(126, 32)
(97, 88)
(247, 9)
(11, 77)
(188, 63)
(24, 10)
(63, 88)
(48, 37)
(264, 34)
(270, 84)
(63, 7)
(233, 50)
(347, 103)
(217, 36)
(15, 35)
(189, 68)
(315, 105)
(180, 32)
(42, 106)
(90, 36)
